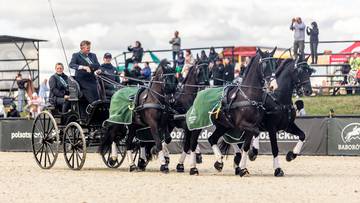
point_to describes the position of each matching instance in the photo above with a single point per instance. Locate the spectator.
(43, 91)
(180, 61)
(242, 69)
(34, 103)
(203, 57)
(299, 37)
(300, 108)
(355, 66)
(213, 56)
(189, 61)
(238, 77)
(133, 75)
(138, 53)
(345, 70)
(228, 71)
(21, 91)
(217, 72)
(176, 46)
(59, 89)
(13, 113)
(110, 72)
(146, 71)
(313, 32)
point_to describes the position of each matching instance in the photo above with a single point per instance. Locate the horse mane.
(282, 66)
(191, 70)
(247, 69)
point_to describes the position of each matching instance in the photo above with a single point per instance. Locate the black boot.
(164, 168)
(194, 171)
(142, 164)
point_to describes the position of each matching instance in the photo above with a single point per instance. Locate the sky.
(112, 25)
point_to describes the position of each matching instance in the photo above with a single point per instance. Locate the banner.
(344, 136)
(15, 135)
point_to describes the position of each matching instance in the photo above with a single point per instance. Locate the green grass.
(320, 105)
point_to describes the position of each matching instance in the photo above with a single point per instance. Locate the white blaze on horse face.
(273, 85)
(298, 147)
(217, 153)
(114, 151)
(243, 159)
(276, 163)
(130, 157)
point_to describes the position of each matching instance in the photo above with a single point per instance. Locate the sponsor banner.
(344, 136)
(15, 135)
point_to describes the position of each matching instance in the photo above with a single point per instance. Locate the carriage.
(74, 133)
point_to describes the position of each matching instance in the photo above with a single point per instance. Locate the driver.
(85, 64)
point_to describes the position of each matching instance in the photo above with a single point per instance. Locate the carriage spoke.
(52, 151)
(73, 160)
(42, 146)
(41, 131)
(45, 155)
(48, 125)
(49, 158)
(42, 150)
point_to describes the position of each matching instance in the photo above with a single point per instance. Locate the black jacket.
(229, 72)
(138, 53)
(216, 73)
(213, 56)
(134, 73)
(314, 34)
(78, 59)
(57, 89)
(110, 72)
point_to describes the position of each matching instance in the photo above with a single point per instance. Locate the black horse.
(280, 113)
(152, 110)
(196, 79)
(242, 107)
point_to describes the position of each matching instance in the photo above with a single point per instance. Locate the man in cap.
(110, 72)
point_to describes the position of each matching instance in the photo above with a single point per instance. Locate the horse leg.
(194, 135)
(142, 162)
(213, 140)
(275, 152)
(129, 148)
(198, 154)
(186, 148)
(158, 143)
(237, 157)
(295, 130)
(243, 170)
(254, 151)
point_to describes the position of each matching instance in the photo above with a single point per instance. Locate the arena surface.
(308, 179)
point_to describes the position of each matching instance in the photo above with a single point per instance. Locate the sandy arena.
(307, 179)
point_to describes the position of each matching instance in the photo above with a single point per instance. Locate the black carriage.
(73, 132)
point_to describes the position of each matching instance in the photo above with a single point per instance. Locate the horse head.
(166, 75)
(302, 73)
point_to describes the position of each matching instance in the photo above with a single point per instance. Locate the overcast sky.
(112, 25)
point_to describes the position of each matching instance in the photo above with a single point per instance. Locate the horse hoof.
(164, 168)
(290, 156)
(237, 159)
(253, 154)
(142, 164)
(244, 173)
(133, 168)
(180, 168)
(218, 166)
(167, 160)
(194, 171)
(112, 162)
(279, 172)
(237, 171)
(198, 158)
(154, 151)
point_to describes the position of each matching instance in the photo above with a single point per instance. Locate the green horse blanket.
(121, 107)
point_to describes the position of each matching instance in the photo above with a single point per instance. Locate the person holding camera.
(299, 37)
(138, 53)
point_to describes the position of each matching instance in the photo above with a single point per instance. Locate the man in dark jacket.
(228, 71)
(85, 64)
(138, 53)
(59, 92)
(217, 73)
(110, 72)
(213, 56)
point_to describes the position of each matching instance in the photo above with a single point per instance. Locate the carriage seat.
(74, 90)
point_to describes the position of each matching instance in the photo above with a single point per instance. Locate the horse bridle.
(299, 83)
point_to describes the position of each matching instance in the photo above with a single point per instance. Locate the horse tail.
(109, 136)
(224, 147)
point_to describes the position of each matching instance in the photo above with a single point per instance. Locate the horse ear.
(273, 51)
(260, 52)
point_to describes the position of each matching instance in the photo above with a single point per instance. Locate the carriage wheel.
(74, 146)
(121, 152)
(45, 140)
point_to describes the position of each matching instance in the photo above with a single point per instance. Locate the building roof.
(12, 39)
